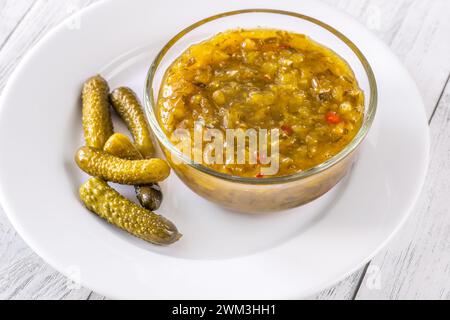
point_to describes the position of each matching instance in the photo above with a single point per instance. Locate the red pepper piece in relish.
(332, 117)
(287, 129)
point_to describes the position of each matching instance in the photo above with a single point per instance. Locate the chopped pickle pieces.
(265, 79)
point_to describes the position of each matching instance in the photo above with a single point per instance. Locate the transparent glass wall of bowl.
(251, 194)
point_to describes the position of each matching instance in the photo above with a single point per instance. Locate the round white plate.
(292, 254)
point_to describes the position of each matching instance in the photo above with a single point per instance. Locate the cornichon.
(107, 203)
(119, 145)
(98, 163)
(97, 122)
(127, 105)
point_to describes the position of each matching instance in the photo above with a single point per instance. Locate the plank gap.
(439, 100)
(360, 281)
(17, 25)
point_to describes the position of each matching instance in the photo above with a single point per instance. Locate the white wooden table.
(415, 265)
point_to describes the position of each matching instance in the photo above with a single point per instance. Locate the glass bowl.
(256, 195)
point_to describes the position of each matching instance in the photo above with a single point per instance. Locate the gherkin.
(107, 203)
(149, 195)
(98, 163)
(97, 122)
(127, 105)
(119, 145)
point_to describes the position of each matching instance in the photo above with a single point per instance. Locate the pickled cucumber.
(149, 196)
(107, 203)
(97, 122)
(100, 164)
(127, 105)
(120, 146)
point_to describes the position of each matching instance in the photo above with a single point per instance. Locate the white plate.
(292, 254)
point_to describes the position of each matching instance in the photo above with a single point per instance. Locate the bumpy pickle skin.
(100, 164)
(97, 122)
(108, 204)
(127, 105)
(119, 145)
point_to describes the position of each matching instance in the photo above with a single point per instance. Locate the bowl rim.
(149, 103)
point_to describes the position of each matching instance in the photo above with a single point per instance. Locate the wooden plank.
(23, 275)
(39, 275)
(43, 16)
(414, 29)
(95, 296)
(417, 263)
(12, 12)
(344, 290)
(422, 44)
(386, 19)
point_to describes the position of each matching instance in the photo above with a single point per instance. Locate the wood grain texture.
(11, 13)
(344, 290)
(415, 30)
(23, 275)
(416, 263)
(384, 18)
(422, 44)
(39, 19)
